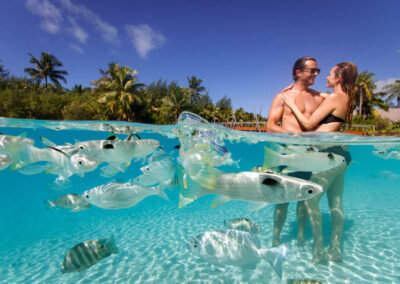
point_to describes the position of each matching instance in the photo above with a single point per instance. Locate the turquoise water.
(152, 236)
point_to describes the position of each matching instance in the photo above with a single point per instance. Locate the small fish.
(237, 248)
(121, 195)
(260, 189)
(309, 162)
(243, 224)
(86, 254)
(72, 201)
(5, 161)
(156, 173)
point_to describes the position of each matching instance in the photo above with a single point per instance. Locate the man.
(281, 119)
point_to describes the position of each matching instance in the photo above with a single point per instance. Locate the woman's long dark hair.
(349, 73)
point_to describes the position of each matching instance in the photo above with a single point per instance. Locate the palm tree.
(195, 89)
(46, 69)
(119, 90)
(393, 91)
(363, 89)
(3, 73)
(178, 100)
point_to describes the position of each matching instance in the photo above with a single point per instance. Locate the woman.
(329, 116)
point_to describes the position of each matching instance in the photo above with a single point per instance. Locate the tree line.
(118, 95)
(115, 95)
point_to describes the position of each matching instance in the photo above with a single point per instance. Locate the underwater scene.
(195, 202)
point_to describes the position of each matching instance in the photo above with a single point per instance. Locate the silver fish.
(14, 144)
(71, 200)
(156, 173)
(316, 161)
(86, 254)
(260, 189)
(121, 195)
(390, 154)
(5, 161)
(243, 224)
(237, 248)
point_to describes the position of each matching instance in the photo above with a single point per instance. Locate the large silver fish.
(309, 162)
(260, 189)
(121, 195)
(69, 201)
(86, 254)
(13, 144)
(237, 248)
(242, 224)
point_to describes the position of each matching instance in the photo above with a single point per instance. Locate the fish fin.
(127, 165)
(112, 245)
(22, 157)
(47, 142)
(190, 192)
(32, 169)
(162, 194)
(202, 171)
(50, 204)
(23, 134)
(219, 200)
(254, 206)
(109, 171)
(271, 159)
(275, 257)
(77, 209)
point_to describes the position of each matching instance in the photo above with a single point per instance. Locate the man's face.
(309, 72)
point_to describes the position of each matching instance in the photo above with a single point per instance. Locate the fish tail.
(112, 245)
(187, 193)
(276, 256)
(161, 189)
(50, 204)
(271, 159)
(22, 156)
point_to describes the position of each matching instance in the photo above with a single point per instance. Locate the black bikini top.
(331, 118)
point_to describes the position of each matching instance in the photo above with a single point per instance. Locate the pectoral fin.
(219, 200)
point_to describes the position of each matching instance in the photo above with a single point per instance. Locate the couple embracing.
(297, 109)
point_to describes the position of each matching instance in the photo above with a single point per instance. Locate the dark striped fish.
(88, 253)
(70, 200)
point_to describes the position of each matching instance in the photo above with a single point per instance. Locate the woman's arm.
(325, 108)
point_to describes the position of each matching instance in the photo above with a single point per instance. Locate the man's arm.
(275, 115)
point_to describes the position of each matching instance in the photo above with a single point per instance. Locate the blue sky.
(242, 49)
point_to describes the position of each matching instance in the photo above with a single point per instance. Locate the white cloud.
(76, 48)
(77, 31)
(144, 38)
(382, 83)
(108, 32)
(50, 15)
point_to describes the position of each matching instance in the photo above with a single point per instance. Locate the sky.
(242, 49)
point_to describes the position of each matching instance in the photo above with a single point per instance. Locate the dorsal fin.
(47, 142)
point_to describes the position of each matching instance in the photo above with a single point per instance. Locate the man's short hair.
(300, 64)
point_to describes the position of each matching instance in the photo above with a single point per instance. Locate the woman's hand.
(289, 100)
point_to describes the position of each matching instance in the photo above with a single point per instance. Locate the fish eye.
(147, 169)
(81, 147)
(330, 156)
(80, 162)
(310, 191)
(87, 196)
(101, 246)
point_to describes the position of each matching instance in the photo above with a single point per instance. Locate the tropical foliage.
(393, 91)
(46, 69)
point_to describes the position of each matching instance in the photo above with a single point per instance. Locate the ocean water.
(152, 236)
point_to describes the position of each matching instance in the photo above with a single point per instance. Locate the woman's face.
(332, 79)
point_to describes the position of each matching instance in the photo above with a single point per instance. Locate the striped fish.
(243, 224)
(70, 200)
(88, 253)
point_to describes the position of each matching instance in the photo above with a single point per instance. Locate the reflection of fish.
(14, 144)
(387, 154)
(88, 253)
(5, 161)
(71, 200)
(310, 161)
(258, 188)
(243, 224)
(121, 195)
(238, 248)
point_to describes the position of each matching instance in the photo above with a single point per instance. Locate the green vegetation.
(116, 95)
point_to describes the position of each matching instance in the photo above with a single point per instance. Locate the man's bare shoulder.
(313, 92)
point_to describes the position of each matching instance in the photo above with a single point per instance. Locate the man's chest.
(307, 103)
